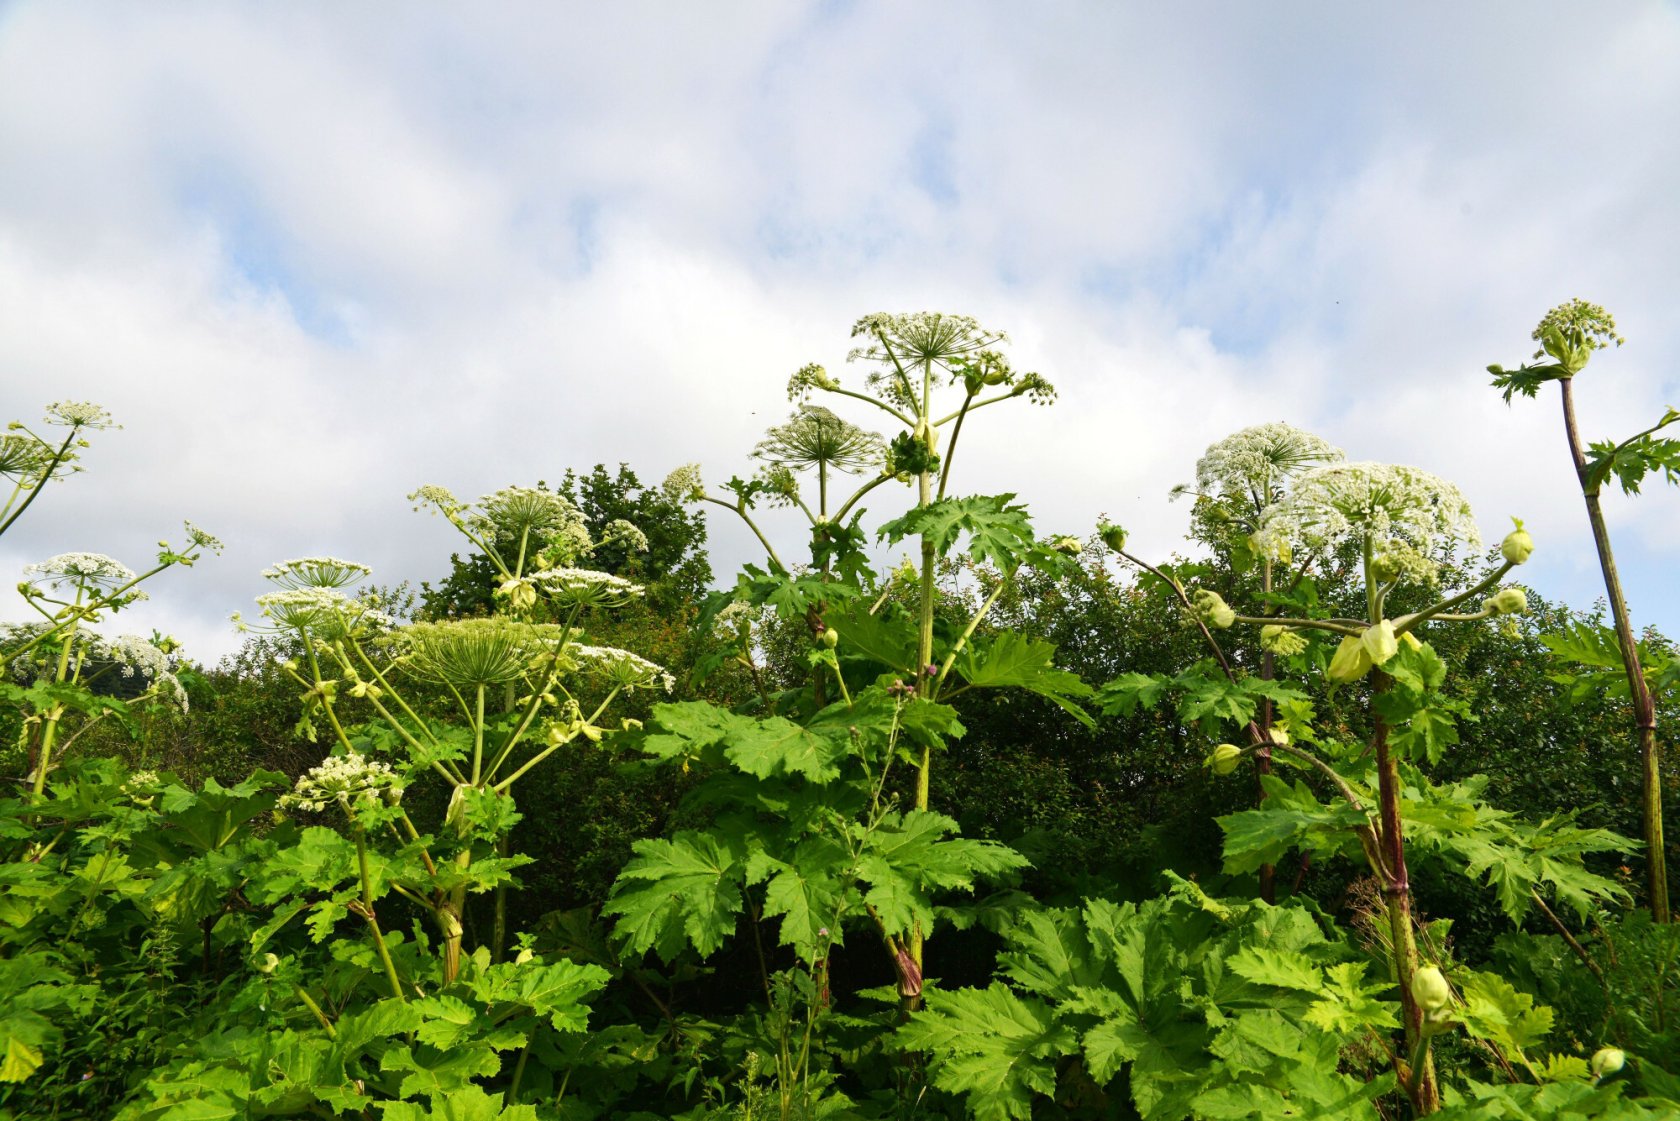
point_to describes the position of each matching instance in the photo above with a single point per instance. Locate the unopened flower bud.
(1212, 609)
(1112, 535)
(1386, 568)
(1518, 546)
(1224, 758)
(1506, 601)
(831, 638)
(1607, 1060)
(1350, 662)
(523, 956)
(268, 963)
(521, 594)
(1379, 642)
(1069, 545)
(1430, 989)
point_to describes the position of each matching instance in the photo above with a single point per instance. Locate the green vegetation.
(1319, 822)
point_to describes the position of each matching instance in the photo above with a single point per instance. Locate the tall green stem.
(1263, 753)
(1644, 710)
(372, 919)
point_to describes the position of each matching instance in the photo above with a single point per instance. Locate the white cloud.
(315, 257)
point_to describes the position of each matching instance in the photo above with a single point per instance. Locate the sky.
(312, 256)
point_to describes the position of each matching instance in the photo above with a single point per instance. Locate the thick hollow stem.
(1644, 711)
(1397, 892)
(924, 656)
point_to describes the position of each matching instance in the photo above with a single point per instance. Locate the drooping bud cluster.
(1281, 640)
(1112, 535)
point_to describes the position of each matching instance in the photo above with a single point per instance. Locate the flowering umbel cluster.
(1404, 512)
(79, 414)
(1597, 326)
(622, 668)
(1251, 464)
(79, 570)
(346, 779)
(316, 572)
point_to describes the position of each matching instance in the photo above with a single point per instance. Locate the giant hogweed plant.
(347, 1007)
(63, 676)
(291, 936)
(59, 679)
(927, 373)
(1568, 336)
(1397, 521)
(1238, 481)
(521, 684)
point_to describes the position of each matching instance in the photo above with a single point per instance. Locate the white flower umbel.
(317, 572)
(918, 343)
(468, 653)
(621, 667)
(816, 437)
(321, 612)
(134, 656)
(346, 779)
(513, 512)
(440, 499)
(585, 587)
(1401, 509)
(79, 414)
(127, 666)
(79, 570)
(1253, 462)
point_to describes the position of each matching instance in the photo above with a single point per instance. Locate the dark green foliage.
(1183, 1005)
(674, 568)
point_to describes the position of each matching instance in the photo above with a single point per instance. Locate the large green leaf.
(686, 890)
(998, 1048)
(997, 531)
(1009, 659)
(888, 637)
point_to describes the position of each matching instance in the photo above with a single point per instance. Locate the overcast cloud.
(313, 256)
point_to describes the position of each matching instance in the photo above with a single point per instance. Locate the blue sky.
(315, 256)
